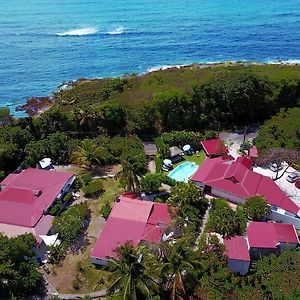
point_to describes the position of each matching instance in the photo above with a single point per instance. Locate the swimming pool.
(183, 172)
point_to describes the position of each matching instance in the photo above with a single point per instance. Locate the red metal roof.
(131, 220)
(237, 179)
(237, 248)
(253, 152)
(269, 235)
(212, 146)
(28, 194)
(245, 161)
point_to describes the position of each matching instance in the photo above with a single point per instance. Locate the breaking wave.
(118, 30)
(79, 32)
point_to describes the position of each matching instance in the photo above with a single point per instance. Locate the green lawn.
(192, 158)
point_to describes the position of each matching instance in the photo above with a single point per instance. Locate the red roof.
(213, 146)
(237, 248)
(235, 178)
(269, 235)
(253, 152)
(245, 161)
(131, 220)
(27, 194)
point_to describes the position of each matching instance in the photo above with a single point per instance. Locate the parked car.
(293, 177)
(275, 167)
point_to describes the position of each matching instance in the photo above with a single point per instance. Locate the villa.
(131, 219)
(25, 198)
(235, 181)
(261, 239)
(214, 147)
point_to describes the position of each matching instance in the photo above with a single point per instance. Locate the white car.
(275, 167)
(293, 177)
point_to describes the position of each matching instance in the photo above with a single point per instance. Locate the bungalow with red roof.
(261, 239)
(235, 181)
(25, 199)
(214, 147)
(130, 220)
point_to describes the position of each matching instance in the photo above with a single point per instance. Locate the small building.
(175, 154)
(150, 149)
(236, 181)
(253, 154)
(130, 220)
(214, 147)
(25, 199)
(237, 251)
(265, 238)
(260, 239)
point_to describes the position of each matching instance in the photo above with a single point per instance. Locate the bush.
(151, 182)
(67, 197)
(56, 206)
(86, 178)
(70, 224)
(105, 210)
(93, 189)
(77, 184)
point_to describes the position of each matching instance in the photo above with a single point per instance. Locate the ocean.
(46, 42)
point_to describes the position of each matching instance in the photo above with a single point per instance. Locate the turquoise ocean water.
(46, 42)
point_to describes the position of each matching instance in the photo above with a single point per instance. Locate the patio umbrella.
(167, 162)
(186, 147)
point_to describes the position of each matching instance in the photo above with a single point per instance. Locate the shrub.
(86, 178)
(77, 184)
(105, 210)
(56, 206)
(93, 189)
(67, 197)
(70, 224)
(151, 183)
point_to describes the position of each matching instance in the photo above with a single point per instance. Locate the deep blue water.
(39, 48)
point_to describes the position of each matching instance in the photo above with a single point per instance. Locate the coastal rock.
(35, 105)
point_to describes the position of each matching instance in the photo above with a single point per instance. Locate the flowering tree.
(278, 156)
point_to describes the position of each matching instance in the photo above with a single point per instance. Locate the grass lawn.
(76, 273)
(192, 158)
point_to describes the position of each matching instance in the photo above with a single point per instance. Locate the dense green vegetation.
(18, 269)
(177, 271)
(281, 131)
(103, 122)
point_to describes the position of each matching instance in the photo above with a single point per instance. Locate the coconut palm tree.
(133, 165)
(87, 154)
(176, 267)
(130, 273)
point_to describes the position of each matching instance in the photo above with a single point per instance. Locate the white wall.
(239, 266)
(230, 197)
(276, 216)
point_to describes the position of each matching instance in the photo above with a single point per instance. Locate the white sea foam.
(79, 32)
(285, 62)
(165, 67)
(118, 30)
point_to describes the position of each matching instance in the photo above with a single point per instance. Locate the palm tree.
(130, 273)
(88, 154)
(133, 164)
(176, 267)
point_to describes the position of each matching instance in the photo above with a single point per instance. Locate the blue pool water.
(183, 172)
(46, 42)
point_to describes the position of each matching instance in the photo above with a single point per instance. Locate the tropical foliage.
(226, 221)
(130, 273)
(18, 269)
(256, 208)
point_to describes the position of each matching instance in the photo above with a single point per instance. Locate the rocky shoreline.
(36, 105)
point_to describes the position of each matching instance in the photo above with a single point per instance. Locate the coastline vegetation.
(103, 122)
